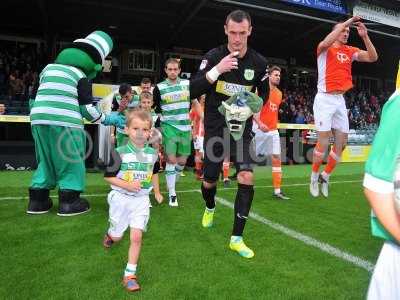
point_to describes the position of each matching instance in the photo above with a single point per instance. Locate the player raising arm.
(334, 58)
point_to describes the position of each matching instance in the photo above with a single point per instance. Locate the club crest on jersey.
(342, 57)
(248, 74)
(203, 64)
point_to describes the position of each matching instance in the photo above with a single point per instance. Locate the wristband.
(213, 74)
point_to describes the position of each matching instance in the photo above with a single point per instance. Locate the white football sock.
(130, 269)
(170, 176)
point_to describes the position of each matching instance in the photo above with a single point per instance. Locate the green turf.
(49, 257)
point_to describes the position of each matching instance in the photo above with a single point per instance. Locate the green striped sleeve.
(90, 112)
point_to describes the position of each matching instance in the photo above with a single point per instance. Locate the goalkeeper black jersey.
(250, 76)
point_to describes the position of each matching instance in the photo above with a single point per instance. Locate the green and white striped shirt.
(175, 103)
(131, 163)
(154, 117)
(56, 101)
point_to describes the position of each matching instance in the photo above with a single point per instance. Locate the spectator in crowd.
(300, 119)
(16, 86)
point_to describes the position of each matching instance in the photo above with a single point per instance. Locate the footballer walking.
(225, 71)
(265, 127)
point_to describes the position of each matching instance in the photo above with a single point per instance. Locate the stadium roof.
(280, 28)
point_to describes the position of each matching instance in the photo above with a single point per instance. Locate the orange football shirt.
(198, 123)
(270, 110)
(334, 68)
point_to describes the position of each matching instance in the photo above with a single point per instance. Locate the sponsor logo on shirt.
(231, 89)
(176, 97)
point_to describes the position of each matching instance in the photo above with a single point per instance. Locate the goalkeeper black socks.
(209, 196)
(244, 198)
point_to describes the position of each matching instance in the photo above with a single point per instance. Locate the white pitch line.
(358, 261)
(362, 263)
(192, 191)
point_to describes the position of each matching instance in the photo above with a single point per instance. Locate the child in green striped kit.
(146, 103)
(130, 174)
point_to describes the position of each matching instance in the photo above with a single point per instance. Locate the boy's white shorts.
(127, 210)
(330, 112)
(385, 282)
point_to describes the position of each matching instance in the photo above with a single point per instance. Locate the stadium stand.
(19, 65)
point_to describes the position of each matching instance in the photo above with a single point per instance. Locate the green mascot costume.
(63, 99)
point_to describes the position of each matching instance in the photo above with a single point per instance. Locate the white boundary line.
(190, 191)
(324, 247)
(358, 261)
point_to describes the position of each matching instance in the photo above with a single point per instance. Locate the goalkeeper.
(382, 189)
(224, 72)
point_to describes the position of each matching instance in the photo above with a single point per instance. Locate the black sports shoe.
(70, 204)
(227, 182)
(280, 196)
(39, 201)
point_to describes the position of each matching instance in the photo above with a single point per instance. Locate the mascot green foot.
(71, 204)
(39, 201)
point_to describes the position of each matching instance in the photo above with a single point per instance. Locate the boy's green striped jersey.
(384, 157)
(130, 163)
(154, 117)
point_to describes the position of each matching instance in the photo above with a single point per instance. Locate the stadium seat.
(16, 103)
(24, 111)
(12, 110)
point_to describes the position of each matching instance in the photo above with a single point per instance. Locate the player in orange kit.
(265, 127)
(197, 117)
(334, 60)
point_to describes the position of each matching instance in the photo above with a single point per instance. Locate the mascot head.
(87, 54)
(237, 109)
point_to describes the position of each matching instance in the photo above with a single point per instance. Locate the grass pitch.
(49, 257)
